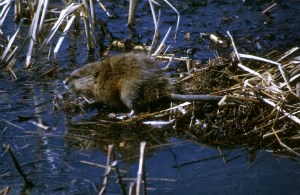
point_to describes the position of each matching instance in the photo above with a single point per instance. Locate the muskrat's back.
(131, 80)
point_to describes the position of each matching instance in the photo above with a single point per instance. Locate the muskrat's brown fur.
(131, 80)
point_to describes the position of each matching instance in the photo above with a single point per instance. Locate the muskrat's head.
(82, 81)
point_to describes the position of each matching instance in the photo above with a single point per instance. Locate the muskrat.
(127, 80)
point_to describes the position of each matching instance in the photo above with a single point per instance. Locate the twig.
(99, 165)
(268, 9)
(272, 133)
(294, 118)
(13, 124)
(282, 144)
(287, 53)
(105, 10)
(234, 47)
(39, 125)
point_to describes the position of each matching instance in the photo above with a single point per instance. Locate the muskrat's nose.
(66, 83)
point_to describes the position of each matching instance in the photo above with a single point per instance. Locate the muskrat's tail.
(197, 97)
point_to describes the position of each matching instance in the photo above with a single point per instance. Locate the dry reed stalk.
(178, 17)
(141, 171)
(60, 40)
(104, 9)
(19, 9)
(108, 169)
(132, 11)
(287, 53)
(131, 188)
(285, 113)
(71, 12)
(89, 27)
(99, 165)
(269, 9)
(162, 44)
(120, 178)
(5, 190)
(9, 54)
(6, 6)
(156, 20)
(283, 145)
(34, 30)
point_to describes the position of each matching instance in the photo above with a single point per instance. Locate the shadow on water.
(54, 155)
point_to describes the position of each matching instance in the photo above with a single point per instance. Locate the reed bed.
(41, 15)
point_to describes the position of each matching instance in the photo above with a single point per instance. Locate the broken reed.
(141, 175)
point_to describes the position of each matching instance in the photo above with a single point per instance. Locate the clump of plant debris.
(260, 104)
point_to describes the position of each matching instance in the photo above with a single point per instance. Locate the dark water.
(52, 158)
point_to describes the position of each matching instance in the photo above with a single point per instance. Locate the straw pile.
(260, 105)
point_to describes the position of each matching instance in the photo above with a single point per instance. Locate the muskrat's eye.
(96, 74)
